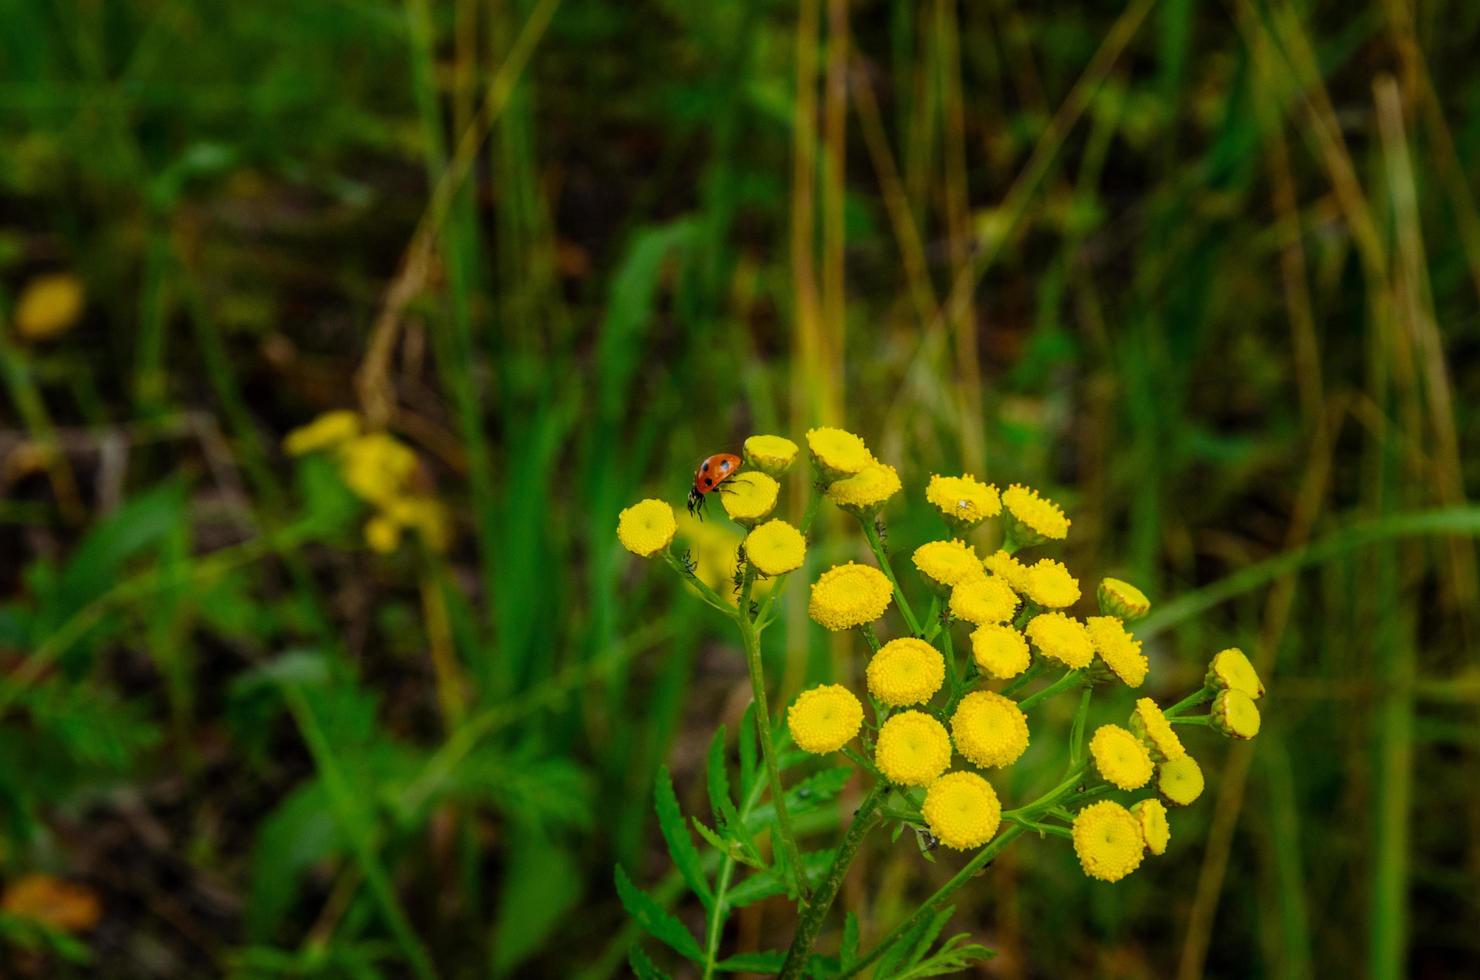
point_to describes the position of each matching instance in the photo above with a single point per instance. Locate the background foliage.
(1208, 273)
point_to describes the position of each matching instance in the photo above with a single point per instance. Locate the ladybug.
(711, 473)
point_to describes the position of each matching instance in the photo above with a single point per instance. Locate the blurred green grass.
(1208, 274)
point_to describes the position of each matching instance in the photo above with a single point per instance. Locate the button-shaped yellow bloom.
(1049, 584)
(1008, 569)
(963, 500)
(1107, 838)
(1152, 727)
(906, 671)
(1031, 518)
(1235, 714)
(1118, 649)
(913, 749)
(866, 491)
(945, 564)
(1120, 757)
(377, 467)
(962, 810)
(989, 729)
(646, 528)
(837, 453)
(48, 305)
(1061, 638)
(824, 719)
(772, 455)
(849, 595)
(1119, 598)
(1155, 830)
(983, 600)
(1231, 670)
(749, 497)
(427, 515)
(999, 650)
(382, 534)
(1180, 780)
(328, 431)
(776, 548)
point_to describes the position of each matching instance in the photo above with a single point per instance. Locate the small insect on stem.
(690, 566)
(882, 531)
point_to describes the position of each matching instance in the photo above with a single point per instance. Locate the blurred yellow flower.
(1120, 757)
(1049, 584)
(866, 491)
(989, 729)
(962, 500)
(999, 650)
(53, 902)
(776, 548)
(913, 749)
(1032, 518)
(772, 455)
(1235, 714)
(647, 528)
(48, 305)
(328, 431)
(377, 467)
(947, 563)
(427, 516)
(1107, 838)
(382, 534)
(1118, 598)
(1152, 727)
(849, 595)
(749, 497)
(983, 600)
(1061, 638)
(1155, 830)
(962, 811)
(1180, 780)
(905, 671)
(824, 719)
(1231, 670)
(1118, 649)
(837, 453)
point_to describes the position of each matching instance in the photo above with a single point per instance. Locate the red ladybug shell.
(715, 470)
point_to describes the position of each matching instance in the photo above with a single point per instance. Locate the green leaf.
(718, 773)
(747, 751)
(770, 882)
(676, 834)
(658, 923)
(849, 950)
(298, 834)
(768, 961)
(737, 850)
(542, 884)
(806, 795)
(643, 967)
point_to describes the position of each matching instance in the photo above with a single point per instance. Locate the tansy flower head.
(863, 493)
(913, 749)
(1107, 838)
(1152, 727)
(999, 650)
(325, 432)
(1120, 757)
(776, 548)
(906, 671)
(849, 595)
(749, 497)
(1031, 518)
(1231, 671)
(1180, 780)
(772, 455)
(962, 810)
(1049, 584)
(1008, 569)
(1118, 598)
(983, 600)
(427, 516)
(837, 453)
(1235, 714)
(646, 528)
(376, 467)
(1120, 652)
(824, 719)
(382, 534)
(1155, 830)
(1061, 638)
(947, 563)
(989, 729)
(48, 305)
(963, 501)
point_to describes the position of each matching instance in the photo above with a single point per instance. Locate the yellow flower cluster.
(989, 729)
(646, 528)
(776, 548)
(1008, 569)
(1230, 670)
(1152, 727)
(772, 455)
(905, 671)
(837, 453)
(1108, 840)
(999, 650)
(48, 305)
(913, 749)
(1118, 649)
(1031, 518)
(984, 600)
(749, 497)
(866, 491)
(1120, 757)
(1122, 599)
(1049, 584)
(849, 595)
(1235, 714)
(962, 810)
(962, 500)
(1062, 638)
(824, 719)
(1180, 780)
(947, 563)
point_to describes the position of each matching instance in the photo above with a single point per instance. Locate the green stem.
(816, 910)
(1022, 679)
(717, 911)
(1192, 700)
(1202, 721)
(872, 533)
(869, 636)
(1040, 828)
(1069, 679)
(1076, 734)
(949, 652)
(710, 596)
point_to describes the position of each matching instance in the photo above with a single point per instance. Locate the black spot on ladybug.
(706, 482)
(705, 467)
(725, 465)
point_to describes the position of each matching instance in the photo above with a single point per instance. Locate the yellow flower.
(947, 563)
(1235, 714)
(824, 719)
(989, 729)
(913, 749)
(963, 501)
(646, 528)
(749, 497)
(1049, 584)
(382, 534)
(772, 455)
(1152, 727)
(1118, 598)
(376, 467)
(962, 810)
(1031, 518)
(1120, 652)
(1061, 638)
(325, 432)
(1120, 757)
(1180, 780)
(1000, 650)
(849, 595)
(427, 516)
(1107, 838)
(983, 600)
(776, 548)
(838, 453)
(48, 305)
(713, 547)
(865, 492)
(1008, 569)
(1155, 830)
(906, 671)
(1231, 670)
